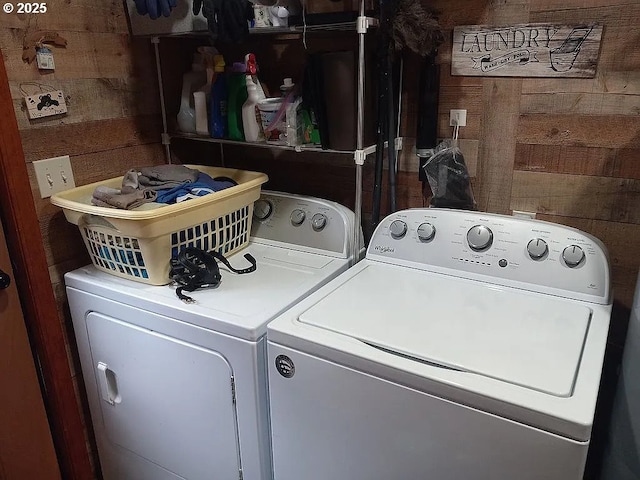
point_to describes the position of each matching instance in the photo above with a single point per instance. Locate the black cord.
(194, 268)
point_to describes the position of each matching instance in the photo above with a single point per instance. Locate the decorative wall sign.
(528, 50)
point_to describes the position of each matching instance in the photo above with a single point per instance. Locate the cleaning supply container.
(139, 244)
(250, 125)
(274, 120)
(192, 81)
(219, 97)
(237, 97)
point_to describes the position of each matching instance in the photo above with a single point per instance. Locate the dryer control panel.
(306, 223)
(522, 253)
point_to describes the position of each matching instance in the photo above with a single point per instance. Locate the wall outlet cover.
(45, 104)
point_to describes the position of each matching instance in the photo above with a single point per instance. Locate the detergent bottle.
(191, 82)
(219, 97)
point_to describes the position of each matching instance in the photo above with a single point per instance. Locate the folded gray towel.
(166, 176)
(112, 197)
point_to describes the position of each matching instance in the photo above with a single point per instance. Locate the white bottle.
(191, 82)
(252, 131)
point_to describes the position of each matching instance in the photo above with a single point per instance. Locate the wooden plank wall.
(113, 121)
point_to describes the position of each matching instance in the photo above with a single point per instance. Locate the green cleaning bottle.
(237, 96)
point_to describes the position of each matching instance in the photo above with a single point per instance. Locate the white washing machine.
(465, 346)
(179, 391)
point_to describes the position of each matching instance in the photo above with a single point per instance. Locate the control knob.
(262, 209)
(426, 232)
(573, 256)
(318, 221)
(537, 248)
(398, 229)
(479, 237)
(297, 217)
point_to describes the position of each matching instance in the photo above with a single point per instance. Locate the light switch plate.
(45, 104)
(54, 175)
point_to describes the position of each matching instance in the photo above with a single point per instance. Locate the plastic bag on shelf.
(449, 178)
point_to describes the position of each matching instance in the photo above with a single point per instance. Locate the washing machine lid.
(531, 340)
(241, 305)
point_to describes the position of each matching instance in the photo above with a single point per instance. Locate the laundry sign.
(527, 50)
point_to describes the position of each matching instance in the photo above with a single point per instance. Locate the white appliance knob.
(573, 255)
(398, 229)
(262, 209)
(537, 248)
(426, 232)
(318, 221)
(297, 217)
(479, 237)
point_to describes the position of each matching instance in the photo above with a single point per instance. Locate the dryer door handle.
(108, 384)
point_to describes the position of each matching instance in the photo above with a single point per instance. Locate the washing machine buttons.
(262, 209)
(573, 256)
(426, 232)
(479, 237)
(319, 221)
(537, 248)
(297, 217)
(398, 229)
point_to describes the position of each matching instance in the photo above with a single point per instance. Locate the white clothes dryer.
(465, 346)
(179, 391)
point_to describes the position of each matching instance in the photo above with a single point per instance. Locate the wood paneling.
(581, 196)
(609, 131)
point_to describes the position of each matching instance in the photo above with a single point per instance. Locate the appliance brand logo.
(384, 249)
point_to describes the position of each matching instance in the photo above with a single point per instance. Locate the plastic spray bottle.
(237, 97)
(219, 96)
(250, 124)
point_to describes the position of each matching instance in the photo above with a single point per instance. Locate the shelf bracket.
(359, 156)
(364, 23)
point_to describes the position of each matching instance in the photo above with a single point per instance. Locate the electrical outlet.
(458, 117)
(54, 175)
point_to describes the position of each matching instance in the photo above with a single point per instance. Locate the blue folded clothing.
(202, 186)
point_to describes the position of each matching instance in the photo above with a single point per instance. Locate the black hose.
(391, 134)
(381, 134)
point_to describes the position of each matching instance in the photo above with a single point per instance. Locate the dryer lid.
(513, 336)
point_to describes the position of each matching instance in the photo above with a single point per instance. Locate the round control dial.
(537, 248)
(297, 217)
(573, 255)
(426, 232)
(319, 221)
(262, 209)
(398, 229)
(479, 237)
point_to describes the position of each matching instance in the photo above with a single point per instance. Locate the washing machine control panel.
(505, 250)
(304, 223)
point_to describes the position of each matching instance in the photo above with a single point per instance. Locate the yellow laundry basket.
(138, 244)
